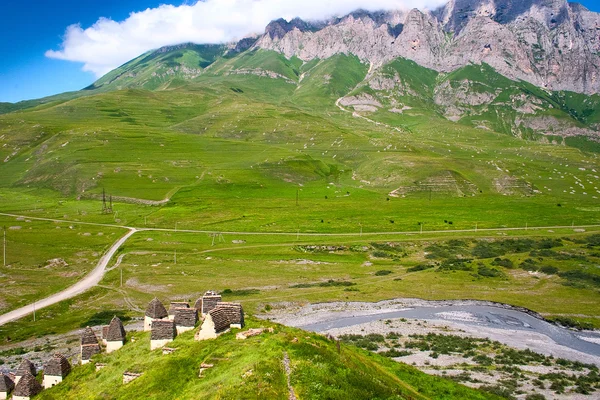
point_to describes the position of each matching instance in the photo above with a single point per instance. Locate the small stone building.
(89, 345)
(185, 319)
(55, 370)
(220, 319)
(175, 305)
(154, 311)
(162, 332)
(27, 387)
(209, 301)
(6, 386)
(26, 367)
(115, 337)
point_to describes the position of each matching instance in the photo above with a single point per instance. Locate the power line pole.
(175, 256)
(4, 246)
(34, 311)
(297, 196)
(121, 269)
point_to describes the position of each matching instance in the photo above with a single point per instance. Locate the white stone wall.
(50, 380)
(207, 331)
(147, 323)
(17, 379)
(21, 398)
(3, 395)
(157, 344)
(112, 346)
(181, 329)
(83, 362)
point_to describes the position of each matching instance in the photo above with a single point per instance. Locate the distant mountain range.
(552, 44)
(525, 68)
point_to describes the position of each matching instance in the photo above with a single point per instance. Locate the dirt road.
(90, 280)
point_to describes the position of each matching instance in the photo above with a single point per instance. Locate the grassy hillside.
(254, 368)
(255, 145)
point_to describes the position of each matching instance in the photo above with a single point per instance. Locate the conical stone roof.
(116, 331)
(26, 366)
(156, 310)
(88, 337)
(28, 386)
(57, 366)
(6, 384)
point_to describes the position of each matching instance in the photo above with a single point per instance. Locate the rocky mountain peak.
(278, 28)
(550, 43)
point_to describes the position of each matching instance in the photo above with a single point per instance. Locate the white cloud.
(108, 44)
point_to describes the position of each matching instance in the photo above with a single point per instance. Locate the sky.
(50, 46)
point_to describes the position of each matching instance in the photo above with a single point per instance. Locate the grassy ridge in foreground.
(254, 369)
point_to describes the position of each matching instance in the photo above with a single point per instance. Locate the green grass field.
(238, 149)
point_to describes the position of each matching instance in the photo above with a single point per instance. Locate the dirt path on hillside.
(91, 280)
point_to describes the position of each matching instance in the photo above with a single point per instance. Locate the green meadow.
(265, 160)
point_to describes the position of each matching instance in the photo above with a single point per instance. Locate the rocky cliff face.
(549, 43)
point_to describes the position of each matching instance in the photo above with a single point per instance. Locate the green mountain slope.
(252, 369)
(160, 68)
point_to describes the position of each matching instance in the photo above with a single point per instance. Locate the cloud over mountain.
(108, 44)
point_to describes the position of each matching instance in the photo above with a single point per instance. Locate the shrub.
(383, 272)
(535, 396)
(489, 272)
(549, 270)
(420, 267)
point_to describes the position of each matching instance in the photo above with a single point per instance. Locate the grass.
(253, 368)
(236, 151)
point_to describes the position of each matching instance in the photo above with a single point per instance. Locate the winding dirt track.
(90, 280)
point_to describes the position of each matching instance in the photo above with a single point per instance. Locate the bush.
(383, 272)
(420, 267)
(581, 276)
(549, 270)
(489, 272)
(535, 396)
(381, 254)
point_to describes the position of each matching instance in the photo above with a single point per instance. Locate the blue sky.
(29, 28)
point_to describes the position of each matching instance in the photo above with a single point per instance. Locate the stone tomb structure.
(220, 319)
(209, 301)
(89, 345)
(185, 319)
(115, 337)
(6, 386)
(26, 367)
(162, 332)
(27, 387)
(55, 370)
(176, 305)
(155, 311)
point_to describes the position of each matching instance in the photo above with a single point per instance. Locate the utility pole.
(121, 269)
(297, 196)
(475, 226)
(4, 247)
(360, 230)
(175, 256)
(421, 228)
(34, 311)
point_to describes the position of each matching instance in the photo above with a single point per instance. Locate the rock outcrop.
(549, 43)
